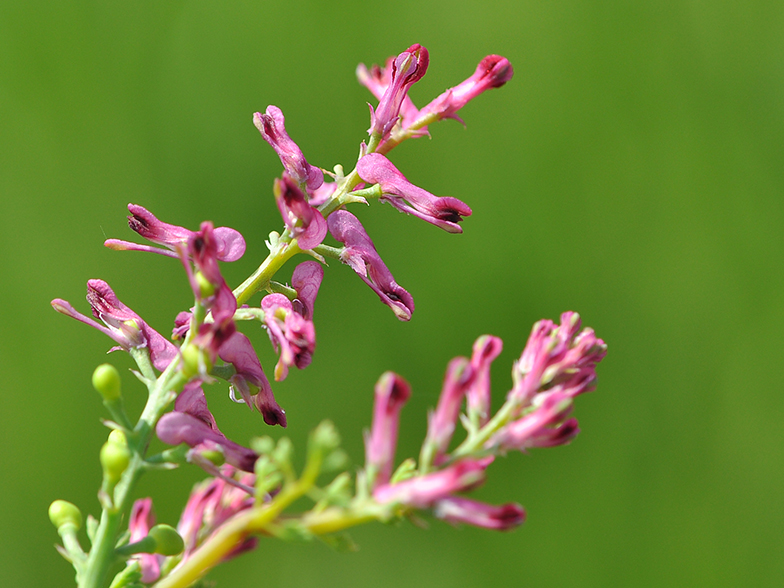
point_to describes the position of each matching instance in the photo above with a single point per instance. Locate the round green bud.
(168, 541)
(118, 438)
(326, 437)
(115, 458)
(62, 512)
(206, 288)
(262, 445)
(106, 380)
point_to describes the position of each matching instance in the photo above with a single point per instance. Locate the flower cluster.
(250, 487)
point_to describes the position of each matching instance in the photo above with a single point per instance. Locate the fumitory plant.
(250, 489)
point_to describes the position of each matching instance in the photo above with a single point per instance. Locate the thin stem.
(260, 279)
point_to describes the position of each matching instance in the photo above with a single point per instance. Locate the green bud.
(167, 540)
(106, 380)
(206, 288)
(115, 458)
(262, 445)
(62, 512)
(118, 438)
(336, 460)
(325, 437)
(284, 451)
(405, 470)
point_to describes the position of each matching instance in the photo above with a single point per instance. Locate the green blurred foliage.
(632, 170)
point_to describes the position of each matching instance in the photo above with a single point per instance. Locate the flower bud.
(325, 438)
(167, 540)
(114, 458)
(106, 381)
(62, 512)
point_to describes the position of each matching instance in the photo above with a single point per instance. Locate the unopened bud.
(167, 540)
(325, 437)
(115, 458)
(62, 512)
(106, 381)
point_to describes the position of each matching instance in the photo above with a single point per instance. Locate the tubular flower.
(557, 358)
(272, 128)
(211, 504)
(425, 491)
(544, 426)
(239, 351)
(378, 79)
(230, 245)
(407, 68)
(492, 72)
(463, 510)
(121, 324)
(291, 334)
(392, 392)
(441, 425)
(303, 220)
(306, 281)
(486, 349)
(444, 212)
(193, 402)
(361, 255)
(141, 520)
(175, 428)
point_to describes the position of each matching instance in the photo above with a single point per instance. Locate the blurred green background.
(632, 171)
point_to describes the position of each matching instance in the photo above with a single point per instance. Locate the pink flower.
(272, 128)
(441, 424)
(425, 491)
(306, 281)
(392, 392)
(557, 358)
(303, 220)
(141, 520)
(291, 334)
(239, 351)
(544, 426)
(407, 68)
(486, 349)
(121, 324)
(210, 505)
(361, 255)
(463, 510)
(378, 79)
(230, 245)
(444, 212)
(492, 72)
(175, 428)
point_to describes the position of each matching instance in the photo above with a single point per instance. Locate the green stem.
(475, 442)
(260, 279)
